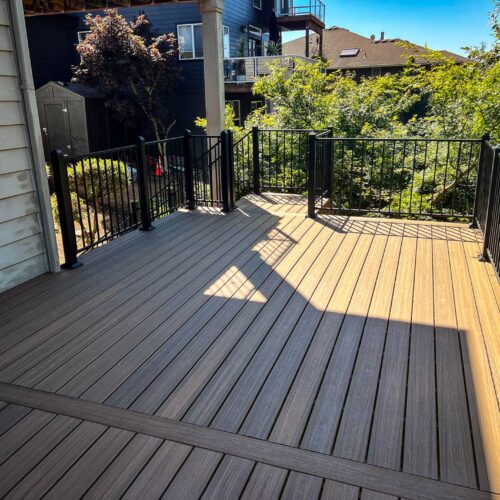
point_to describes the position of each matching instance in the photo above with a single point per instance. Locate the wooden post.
(307, 42)
(188, 172)
(65, 208)
(256, 160)
(143, 185)
(311, 192)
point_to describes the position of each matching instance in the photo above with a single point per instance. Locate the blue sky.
(442, 24)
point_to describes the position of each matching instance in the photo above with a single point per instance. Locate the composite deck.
(258, 354)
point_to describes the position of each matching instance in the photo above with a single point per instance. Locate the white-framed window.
(257, 4)
(253, 30)
(82, 35)
(190, 41)
(235, 104)
(226, 41)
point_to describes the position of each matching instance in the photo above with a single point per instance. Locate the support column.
(213, 64)
(307, 42)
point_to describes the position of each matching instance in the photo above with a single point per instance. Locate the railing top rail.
(162, 141)
(93, 154)
(393, 139)
(289, 130)
(261, 58)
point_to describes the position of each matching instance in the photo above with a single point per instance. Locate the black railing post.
(188, 171)
(328, 164)
(224, 172)
(483, 256)
(143, 185)
(256, 160)
(230, 155)
(480, 169)
(311, 165)
(65, 208)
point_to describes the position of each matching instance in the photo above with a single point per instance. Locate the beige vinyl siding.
(22, 243)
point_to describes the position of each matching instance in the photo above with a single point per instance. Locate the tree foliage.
(135, 70)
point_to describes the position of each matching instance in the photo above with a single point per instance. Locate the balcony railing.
(315, 8)
(247, 69)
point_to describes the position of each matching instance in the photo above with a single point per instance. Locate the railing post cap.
(486, 136)
(187, 132)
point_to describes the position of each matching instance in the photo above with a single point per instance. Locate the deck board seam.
(320, 465)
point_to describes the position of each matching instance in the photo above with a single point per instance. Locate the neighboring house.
(349, 51)
(248, 25)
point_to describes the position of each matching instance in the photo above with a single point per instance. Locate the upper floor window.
(257, 4)
(82, 35)
(226, 42)
(190, 41)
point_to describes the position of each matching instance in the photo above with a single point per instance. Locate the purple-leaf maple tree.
(135, 71)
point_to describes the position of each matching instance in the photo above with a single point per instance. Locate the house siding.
(22, 244)
(52, 56)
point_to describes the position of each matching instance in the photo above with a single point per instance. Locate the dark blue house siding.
(52, 41)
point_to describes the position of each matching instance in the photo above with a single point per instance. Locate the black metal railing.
(399, 177)
(487, 203)
(243, 165)
(315, 8)
(104, 194)
(282, 159)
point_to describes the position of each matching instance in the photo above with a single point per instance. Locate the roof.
(76, 88)
(372, 53)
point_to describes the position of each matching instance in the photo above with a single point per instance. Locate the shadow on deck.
(257, 354)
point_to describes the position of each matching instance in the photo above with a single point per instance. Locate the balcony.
(245, 70)
(301, 15)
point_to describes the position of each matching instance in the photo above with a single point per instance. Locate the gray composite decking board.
(10, 415)
(375, 495)
(261, 417)
(241, 332)
(112, 298)
(388, 421)
(154, 380)
(354, 428)
(47, 472)
(299, 486)
(228, 483)
(266, 481)
(193, 379)
(193, 476)
(329, 467)
(75, 283)
(294, 414)
(105, 359)
(322, 426)
(34, 450)
(102, 289)
(140, 308)
(485, 417)
(116, 479)
(420, 448)
(333, 490)
(157, 474)
(256, 319)
(77, 480)
(120, 374)
(24, 430)
(456, 455)
(174, 377)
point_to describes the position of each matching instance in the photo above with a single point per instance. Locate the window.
(376, 71)
(253, 30)
(82, 35)
(235, 104)
(254, 105)
(257, 4)
(349, 52)
(190, 41)
(226, 42)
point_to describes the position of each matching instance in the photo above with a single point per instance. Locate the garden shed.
(73, 118)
